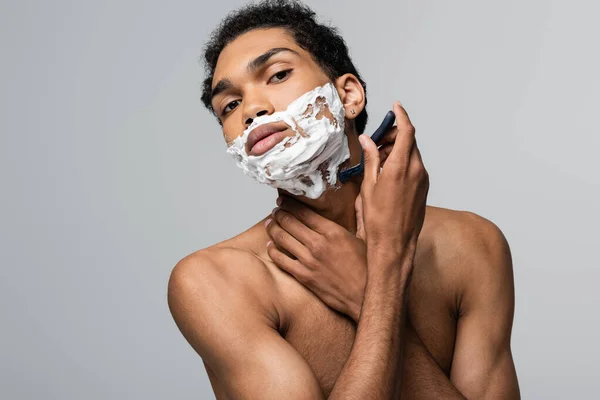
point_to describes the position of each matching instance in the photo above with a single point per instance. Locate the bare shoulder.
(222, 300)
(470, 247)
(235, 265)
(221, 276)
(463, 230)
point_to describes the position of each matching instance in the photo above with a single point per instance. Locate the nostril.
(258, 114)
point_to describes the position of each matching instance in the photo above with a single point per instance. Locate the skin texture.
(264, 328)
(482, 364)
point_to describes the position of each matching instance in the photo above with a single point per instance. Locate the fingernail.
(267, 222)
(269, 243)
(279, 201)
(274, 211)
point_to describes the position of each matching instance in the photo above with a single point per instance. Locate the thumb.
(371, 160)
(360, 225)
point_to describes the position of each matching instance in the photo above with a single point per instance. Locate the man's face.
(261, 72)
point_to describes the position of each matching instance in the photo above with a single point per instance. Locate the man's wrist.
(390, 265)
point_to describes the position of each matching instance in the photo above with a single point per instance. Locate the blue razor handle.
(386, 125)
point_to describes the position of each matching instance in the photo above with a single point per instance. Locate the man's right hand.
(394, 199)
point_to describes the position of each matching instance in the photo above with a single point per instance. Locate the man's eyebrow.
(252, 66)
(263, 58)
(223, 85)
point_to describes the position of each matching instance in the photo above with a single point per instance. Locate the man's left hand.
(326, 258)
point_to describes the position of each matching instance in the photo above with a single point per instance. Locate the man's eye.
(227, 109)
(280, 76)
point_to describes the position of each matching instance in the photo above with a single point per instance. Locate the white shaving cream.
(307, 163)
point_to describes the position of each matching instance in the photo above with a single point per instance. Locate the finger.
(306, 216)
(416, 161)
(418, 152)
(289, 265)
(285, 241)
(360, 226)
(384, 153)
(304, 232)
(371, 165)
(389, 137)
(405, 139)
(417, 169)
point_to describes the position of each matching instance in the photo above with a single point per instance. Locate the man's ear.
(351, 93)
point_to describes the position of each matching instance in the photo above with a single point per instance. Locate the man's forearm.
(423, 377)
(373, 368)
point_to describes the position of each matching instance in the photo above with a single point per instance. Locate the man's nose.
(256, 109)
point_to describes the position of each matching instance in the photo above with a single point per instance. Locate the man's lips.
(265, 137)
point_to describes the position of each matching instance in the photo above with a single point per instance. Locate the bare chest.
(324, 337)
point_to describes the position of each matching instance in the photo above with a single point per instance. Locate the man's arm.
(482, 366)
(480, 249)
(422, 376)
(228, 324)
(393, 202)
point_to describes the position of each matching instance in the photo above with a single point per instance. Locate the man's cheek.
(284, 94)
(229, 136)
(307, 162)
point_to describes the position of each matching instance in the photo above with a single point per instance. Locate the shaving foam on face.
(306, 163)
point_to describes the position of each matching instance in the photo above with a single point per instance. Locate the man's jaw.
(338, 204)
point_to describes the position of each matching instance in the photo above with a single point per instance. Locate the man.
(332, 296)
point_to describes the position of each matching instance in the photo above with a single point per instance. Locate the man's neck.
(337, 205)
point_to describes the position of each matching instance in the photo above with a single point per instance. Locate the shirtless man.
(334, 297)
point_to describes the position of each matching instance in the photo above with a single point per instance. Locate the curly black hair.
(323, 42)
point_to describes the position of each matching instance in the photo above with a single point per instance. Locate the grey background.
(111, 172)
